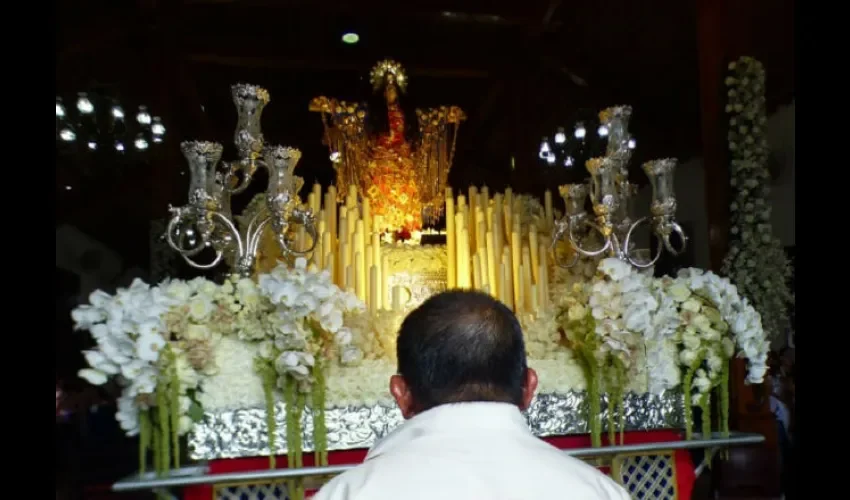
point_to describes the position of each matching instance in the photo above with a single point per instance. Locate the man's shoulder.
(544, 468)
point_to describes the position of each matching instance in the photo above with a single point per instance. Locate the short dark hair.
(461, 346)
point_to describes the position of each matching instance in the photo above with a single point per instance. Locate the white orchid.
(306, 304)
(710, 307)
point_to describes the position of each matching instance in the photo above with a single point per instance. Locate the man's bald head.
(462, 347)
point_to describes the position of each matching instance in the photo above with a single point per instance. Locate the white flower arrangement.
(133, 346)
(307, 332)
(607, 320)
(713, 319)
(161, 344)
(756, 262)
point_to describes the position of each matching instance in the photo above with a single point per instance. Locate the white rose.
(576, 312)
(179, 290)
(200, 308)
(196, 332)
(692, 305)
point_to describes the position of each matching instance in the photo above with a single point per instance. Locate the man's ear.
(529, 387)
(403, 398)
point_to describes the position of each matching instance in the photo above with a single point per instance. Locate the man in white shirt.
(461, 385)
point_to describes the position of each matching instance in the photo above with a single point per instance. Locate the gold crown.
(386, 72)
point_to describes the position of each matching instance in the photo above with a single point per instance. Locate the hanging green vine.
(144, 439)
(162, 419)
(320, 431)
(594, 395)
(174, 404)
(687, 385)
(616, 387)
(269, 378)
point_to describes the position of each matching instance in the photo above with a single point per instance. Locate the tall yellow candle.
(535, 301)
(501, 280)
(481, 232)
(542, 299)
(478, 284)
(526, 279)
(550, 212)
(311, 202)
(370, 258)
(350, 279)
(377, 262)
(511, 286)
(385, 281)
(318, 254)
(544, 276)
(367, 217)
(360, 276)
(532, 244)
(498, 221)
(493, 267)
(508, 207)
(459, 243)
(327, 250)
(451, 238)
(473, 205)
(516, 261)
(351, 199)
(330, 213)
(344, 264)
(464, 277)
(344, 254)
(373, 289)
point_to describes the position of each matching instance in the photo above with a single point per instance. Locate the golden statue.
(401, 167)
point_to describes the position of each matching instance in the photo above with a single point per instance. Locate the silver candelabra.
(610, 194)
(207, 222)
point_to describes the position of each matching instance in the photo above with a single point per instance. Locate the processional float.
(385, 182)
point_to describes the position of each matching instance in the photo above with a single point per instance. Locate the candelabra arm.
(668, 228)
(627, 246)
(564, 228)
(306, 218)
(254, 234)
(181, 214)
(589, 253)
(248, 167)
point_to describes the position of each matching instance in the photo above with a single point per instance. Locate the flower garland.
(756, 261)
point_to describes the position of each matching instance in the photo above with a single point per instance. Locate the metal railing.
(200, 475)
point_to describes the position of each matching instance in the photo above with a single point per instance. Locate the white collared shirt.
(469, 451)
